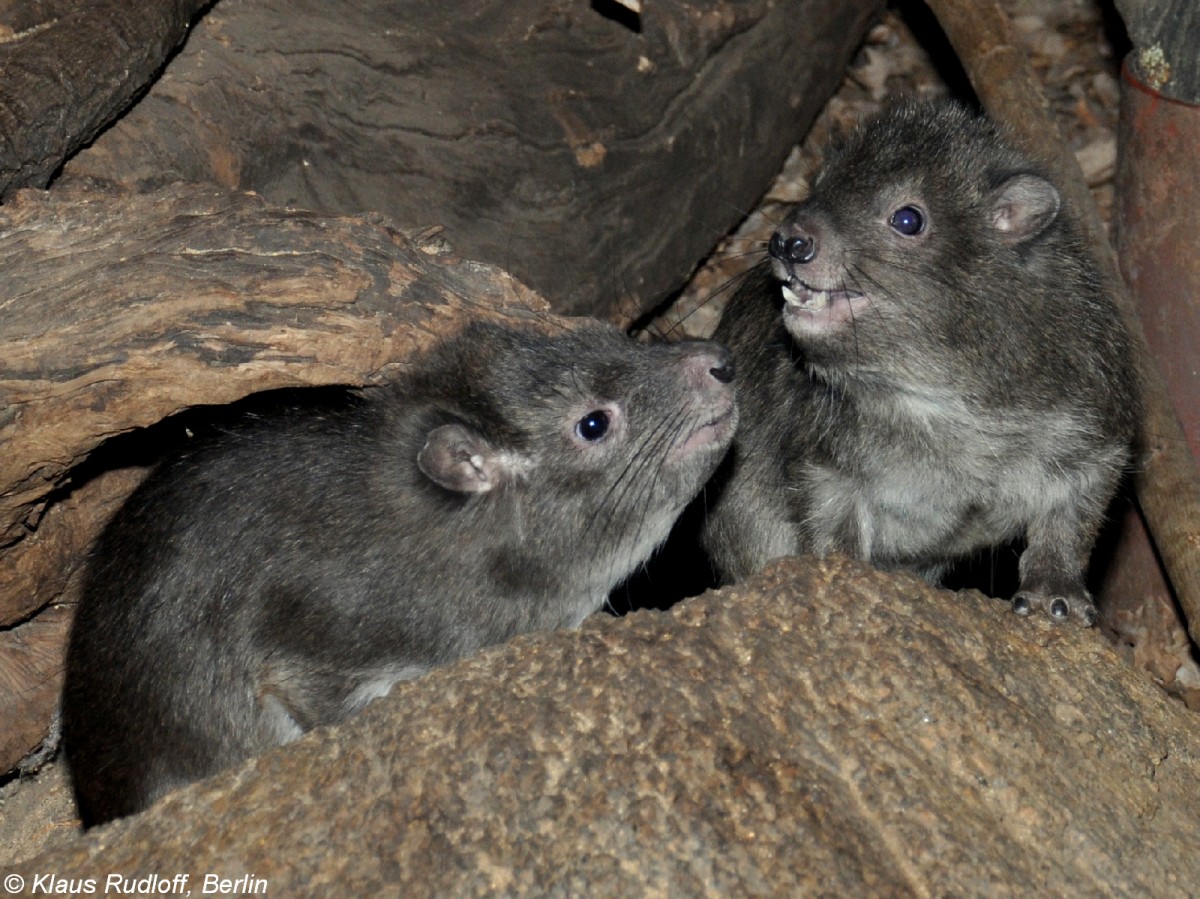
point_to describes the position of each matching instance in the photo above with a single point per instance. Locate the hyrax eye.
(592, 426)
(908, 220)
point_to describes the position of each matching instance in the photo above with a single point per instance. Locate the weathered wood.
(42, 574)
(31, 676)
(1166, 479)
(1165, 35)
(70, 67)
(596, 162)
(120, 310)
(39, 585)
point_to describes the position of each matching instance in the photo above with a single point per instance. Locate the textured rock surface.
(822, 730)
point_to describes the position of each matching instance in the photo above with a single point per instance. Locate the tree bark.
(124, 309)
(818, 730)
(70, 67)
(595, 158)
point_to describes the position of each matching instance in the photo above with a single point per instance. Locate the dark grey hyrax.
(287, 570)
(932, 368)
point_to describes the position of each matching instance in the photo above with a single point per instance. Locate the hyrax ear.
(458, 459)
(1022, 207)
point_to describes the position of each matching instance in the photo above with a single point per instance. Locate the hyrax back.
(294, 564)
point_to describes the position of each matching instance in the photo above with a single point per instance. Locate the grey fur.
(283, 572)
(967, 384)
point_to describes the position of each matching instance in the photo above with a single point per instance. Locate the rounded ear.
(1023, 206)
(458, 459)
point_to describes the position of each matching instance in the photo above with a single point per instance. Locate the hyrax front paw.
(1060, 605)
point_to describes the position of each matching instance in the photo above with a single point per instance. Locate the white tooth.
(790, 297)
(820, 299)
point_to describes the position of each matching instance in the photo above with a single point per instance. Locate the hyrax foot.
(1059, 605)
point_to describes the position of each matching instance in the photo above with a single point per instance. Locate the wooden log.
(31, 675)
(70, 67)
(820, 730)
(597, 159)
(120, 310)
(45, 570)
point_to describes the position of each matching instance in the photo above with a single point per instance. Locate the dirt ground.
(1071, 47)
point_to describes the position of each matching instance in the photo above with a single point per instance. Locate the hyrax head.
(592, 441)
(922, 225)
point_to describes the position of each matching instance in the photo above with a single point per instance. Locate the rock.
(36, 814)
(822, 729)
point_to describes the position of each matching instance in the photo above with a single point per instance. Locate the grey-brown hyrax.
(293, 565)
(932, 366)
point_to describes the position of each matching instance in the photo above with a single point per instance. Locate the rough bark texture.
(31, 677)
(123, 309)
(1165, 35)
(821, 730)
(120, 309)
(595, 162)
(70, 67)
(1166, 478)
(41, 575)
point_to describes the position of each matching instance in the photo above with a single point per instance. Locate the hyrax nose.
(723, 369)
(709, 363)
(795, 247)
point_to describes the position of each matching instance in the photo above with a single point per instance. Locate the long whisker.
(616, 513)
(730, 284)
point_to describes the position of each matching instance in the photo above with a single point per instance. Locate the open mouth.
(798, 294)
(810, 306)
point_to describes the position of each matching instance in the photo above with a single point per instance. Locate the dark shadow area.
(1115, 34)
(992, 572)
(678, 570)
(148, 446)
(616, 12)
(925, 28)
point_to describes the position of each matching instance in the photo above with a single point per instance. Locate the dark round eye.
(592, 426)
(908, 220)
